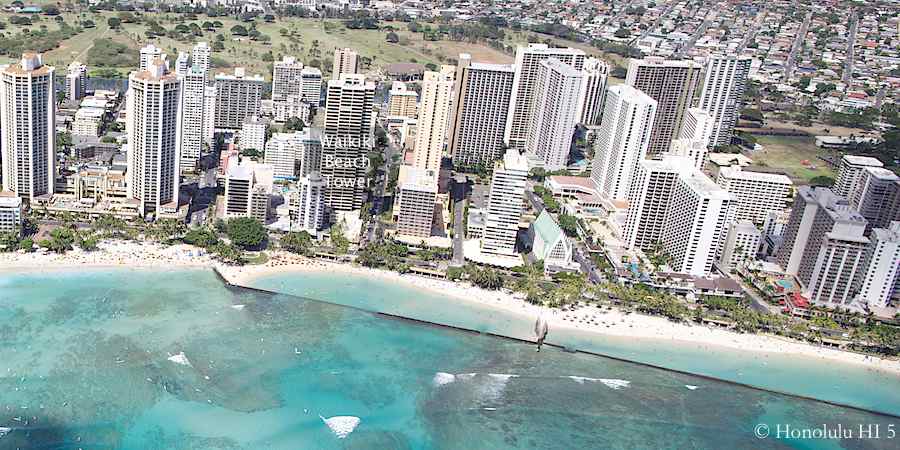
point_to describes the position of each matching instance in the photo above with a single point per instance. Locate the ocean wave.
(341, 426)
(442, 378)
(612, 383)
(4, 431)
(180, 358)
(238, 307)
(691, 387)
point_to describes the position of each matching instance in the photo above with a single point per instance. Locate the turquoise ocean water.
(137, 359)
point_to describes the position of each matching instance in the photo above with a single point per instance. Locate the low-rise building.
(10, 213)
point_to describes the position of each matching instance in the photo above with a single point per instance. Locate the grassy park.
(798, 157)
(93, 41)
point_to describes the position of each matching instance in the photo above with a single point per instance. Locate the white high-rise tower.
(593, 86)
(193, 85)
(524, 96)
(622, 142)
(554, 118)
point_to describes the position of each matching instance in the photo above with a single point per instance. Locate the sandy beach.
(586, 319)
(112, 254)
(609, 322)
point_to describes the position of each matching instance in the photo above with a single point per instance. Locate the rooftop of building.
(739, 173)
(417, 179)
(881, 173)
(702, 185)
(546, 228)
(836, 206)
(10, 199)
(857, 160)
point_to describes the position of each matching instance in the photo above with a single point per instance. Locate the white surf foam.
(493, 388)
(612, 383)
(341, 426)
(465, 376)
(238, 307)
(442, 378)
(180, 358)
(4, 431)
(581, 380)
(691, 387)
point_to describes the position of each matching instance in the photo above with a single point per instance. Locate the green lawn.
(796, 156)
(311, 40)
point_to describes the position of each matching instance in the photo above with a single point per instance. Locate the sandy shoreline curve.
(590, 321)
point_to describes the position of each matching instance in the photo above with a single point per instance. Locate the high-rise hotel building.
(28, 127)
(525, 87)
(193, 85)
(153, 125)
(723, 89)
(697, 221)
(505, 204)
(672, 85)
(593, 88)
(623, 139)
(757, 193)
(346, 140)
(434, 119)
(238, 96)
(480, 112)
(346, 61)
(554, 118)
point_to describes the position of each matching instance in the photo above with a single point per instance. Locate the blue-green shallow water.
(816, 378)
(85, 365)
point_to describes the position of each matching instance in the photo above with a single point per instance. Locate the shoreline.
(589, 320)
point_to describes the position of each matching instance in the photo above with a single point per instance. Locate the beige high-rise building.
(28, 127)
(347, 139)
(649, 196)
(248, 188)
(524, 95)
(434, 119)
(818, 214)
(402, 102)
(153, 125)
(850, 172)
(480, 111)
(346, 61)
(672, 85)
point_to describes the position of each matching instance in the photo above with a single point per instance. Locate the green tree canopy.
(297, 242)
(246, 232)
